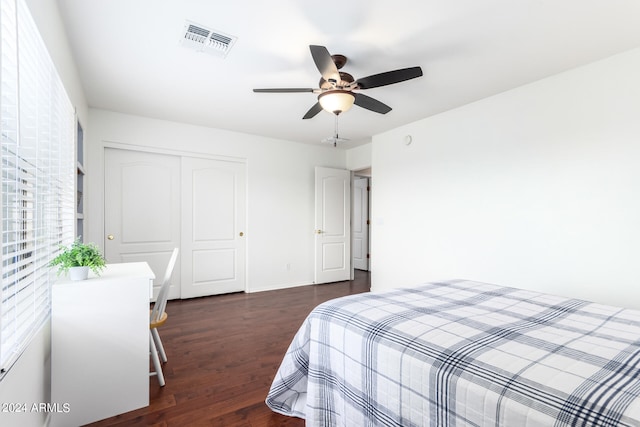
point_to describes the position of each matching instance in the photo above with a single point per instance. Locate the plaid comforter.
(462, 353)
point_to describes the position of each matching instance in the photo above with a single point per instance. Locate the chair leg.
(159, 346)
(156, 361)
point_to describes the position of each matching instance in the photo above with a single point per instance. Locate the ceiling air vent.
(202, 39)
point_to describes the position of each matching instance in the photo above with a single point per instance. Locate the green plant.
(79, 255)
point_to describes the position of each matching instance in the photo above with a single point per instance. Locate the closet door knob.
(110, 237)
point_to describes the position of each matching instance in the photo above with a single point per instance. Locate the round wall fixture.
(407, 140)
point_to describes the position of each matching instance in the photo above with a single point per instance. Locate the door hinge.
(368, 256)
(368, 222)
(368, 188)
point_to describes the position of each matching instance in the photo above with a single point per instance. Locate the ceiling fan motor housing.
(345, 80)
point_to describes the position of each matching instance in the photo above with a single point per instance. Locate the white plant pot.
(79, 273)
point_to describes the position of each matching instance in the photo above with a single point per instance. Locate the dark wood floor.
(223, 353)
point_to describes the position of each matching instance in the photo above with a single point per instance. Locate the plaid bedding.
(462, 353)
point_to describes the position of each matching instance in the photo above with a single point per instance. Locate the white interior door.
(332, 222)
(142, 210)
(360, 229)
(213, 232)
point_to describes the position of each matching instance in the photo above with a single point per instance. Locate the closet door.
(213, 227)
(142, 210)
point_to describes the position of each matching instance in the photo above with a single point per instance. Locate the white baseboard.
(278, 287)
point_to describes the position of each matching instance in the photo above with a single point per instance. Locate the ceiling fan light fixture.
(336, 101)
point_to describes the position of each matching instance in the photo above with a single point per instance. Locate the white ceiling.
(130, 58)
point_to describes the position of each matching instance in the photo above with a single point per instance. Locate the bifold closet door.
(142, 211)
(213, 227)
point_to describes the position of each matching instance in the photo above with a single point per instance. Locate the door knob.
(318, 231)
(241, 234)
(110, 237)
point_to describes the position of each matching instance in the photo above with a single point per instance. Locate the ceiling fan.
(337, 91)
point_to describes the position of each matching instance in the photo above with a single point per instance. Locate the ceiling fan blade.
(284, 90)
(325, 64)
(369, 103)
(313, 111)
(390, 77)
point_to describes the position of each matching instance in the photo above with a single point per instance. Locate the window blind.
(37, 127)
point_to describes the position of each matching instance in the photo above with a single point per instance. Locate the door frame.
(366, 209)
(364, 172)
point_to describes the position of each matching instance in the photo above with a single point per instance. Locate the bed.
(462, 353)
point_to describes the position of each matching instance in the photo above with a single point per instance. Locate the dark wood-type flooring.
(223, 353)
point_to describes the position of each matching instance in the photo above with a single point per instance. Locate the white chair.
(158, 317)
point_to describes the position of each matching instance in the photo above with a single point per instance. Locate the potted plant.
(77, 259)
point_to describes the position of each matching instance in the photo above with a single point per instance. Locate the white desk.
(100, 344)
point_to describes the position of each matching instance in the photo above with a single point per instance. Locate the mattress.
(462, 353)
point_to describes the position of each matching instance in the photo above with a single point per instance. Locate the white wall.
(538, 187)
(359, 157)
(47, 17)
(28, 381)
(280, 188)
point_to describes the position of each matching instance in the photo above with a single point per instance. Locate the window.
(37, 131)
